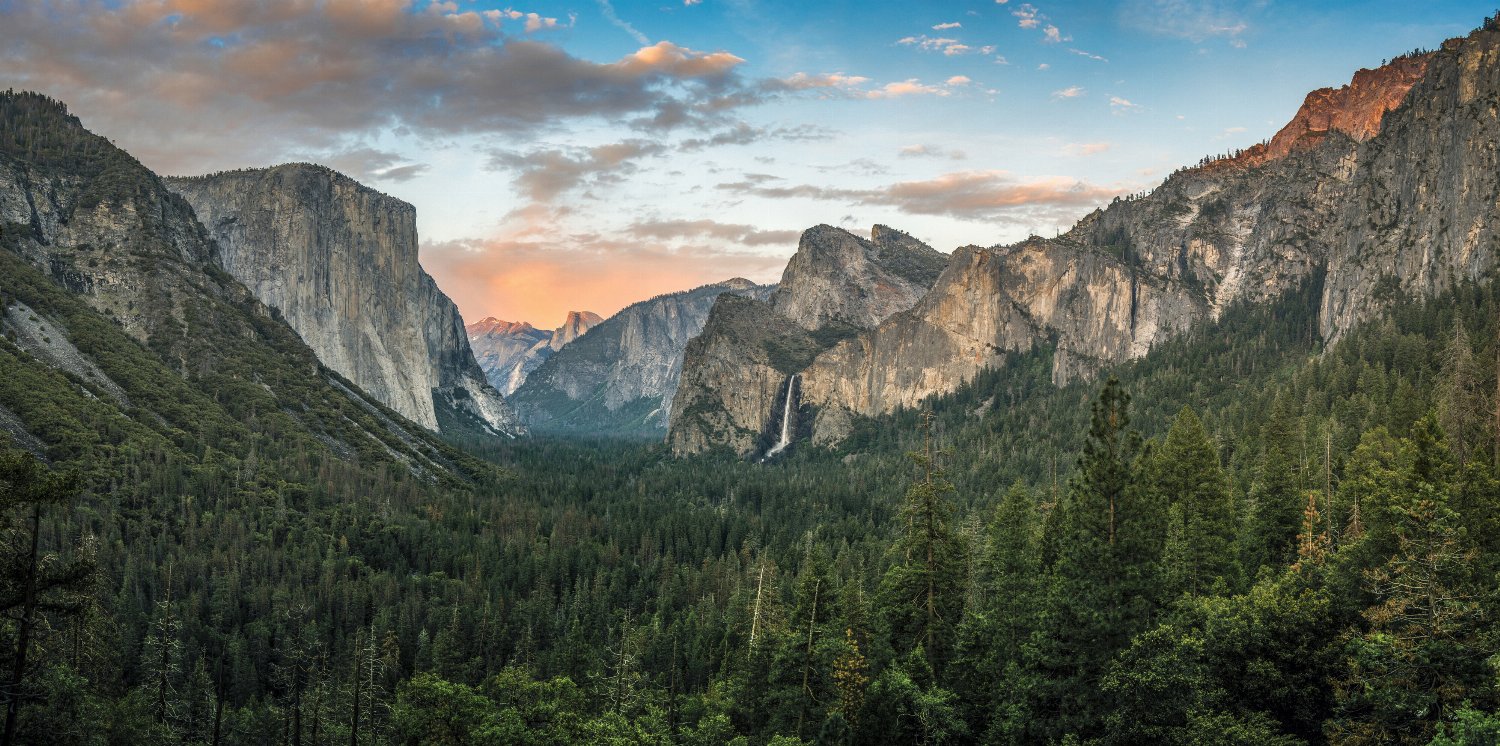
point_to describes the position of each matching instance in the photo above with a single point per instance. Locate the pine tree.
(1460, 403)
(32, 580)
(1185, 474)
(1270, 537)
(1425, 652)
(1101, 587)
(922, 594)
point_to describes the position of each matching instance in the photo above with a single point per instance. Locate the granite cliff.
(338, 260)
(836, 285)
(119, 314)
(1386, 188)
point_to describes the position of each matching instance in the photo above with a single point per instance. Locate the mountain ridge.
(1238, 229)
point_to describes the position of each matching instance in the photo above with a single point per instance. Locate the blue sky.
(582, 155)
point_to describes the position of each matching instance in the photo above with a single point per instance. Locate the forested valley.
(1243, 537)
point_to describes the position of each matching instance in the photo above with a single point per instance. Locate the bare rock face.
(739, 371)
(837, 279)
(339, 261)
(126, 244)
(620, 377)
(576, 325)
(836, 285)
(1392, 179)
(1386, 188)
(1355, 110)
(508, 351)
(126, 250)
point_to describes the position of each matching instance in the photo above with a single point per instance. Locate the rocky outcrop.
(840, 280)
(1355, 110)
(508, 351)
(338, 260)
(836, 285)
(1388, 188)
(733, 390)
(620, 377)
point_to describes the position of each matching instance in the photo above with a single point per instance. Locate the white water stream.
(786, 422)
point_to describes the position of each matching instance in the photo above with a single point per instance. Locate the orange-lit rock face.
(1355, 110)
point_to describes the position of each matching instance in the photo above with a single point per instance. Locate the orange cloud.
(195, 85)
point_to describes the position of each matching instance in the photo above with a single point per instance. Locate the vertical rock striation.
(339, 261)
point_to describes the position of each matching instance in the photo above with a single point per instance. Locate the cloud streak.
(1194, 20)
(990, 194)
(608, 10)
(544, 175)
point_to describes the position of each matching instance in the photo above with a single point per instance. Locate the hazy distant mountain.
(509, 350)
(619, 377)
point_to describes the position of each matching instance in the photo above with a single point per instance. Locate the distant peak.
(587, 317)
(490, 324)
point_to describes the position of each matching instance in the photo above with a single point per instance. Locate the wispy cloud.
(745, 134)
(946, 26)
(544, 175)
(534, 22)
(608, 10)
(1123, 105)
(964, 194)
(1028, 15)
(1090, 55)
(747, 235)
(912, 87)
(839, 85)
(1194, 20)
(1071, 91)
(922, 150)
(949, 47)
(1081, 149)
(370, 164)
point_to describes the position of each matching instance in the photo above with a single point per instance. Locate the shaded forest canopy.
(1225, 544)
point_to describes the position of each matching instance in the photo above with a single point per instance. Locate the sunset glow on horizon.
(585, 155)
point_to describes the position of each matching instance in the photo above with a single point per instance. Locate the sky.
(587, 154)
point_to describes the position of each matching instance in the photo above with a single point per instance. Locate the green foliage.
(922, 594)
(326, 559)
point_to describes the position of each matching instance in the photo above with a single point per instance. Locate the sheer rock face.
(620, 376)
(837, 279)
(1386, 187)
(732, 389)
(837, 284)
(508, 351)
(339, 261)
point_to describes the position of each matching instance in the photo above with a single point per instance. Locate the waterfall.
(786, 422)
